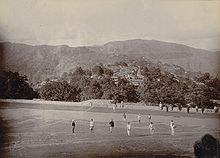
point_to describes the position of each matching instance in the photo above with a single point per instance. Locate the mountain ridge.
(43, 61)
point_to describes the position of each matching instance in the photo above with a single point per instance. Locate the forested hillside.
(41, 62)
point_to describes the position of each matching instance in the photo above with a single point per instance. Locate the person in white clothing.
(128, 128)
(114, 107)
(161, 106)
(91, 124)
(151, 128)
(197, 108)
(172, 127)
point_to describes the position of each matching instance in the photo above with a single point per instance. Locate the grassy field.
(38, 130)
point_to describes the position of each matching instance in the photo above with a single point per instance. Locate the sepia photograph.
(109, 78)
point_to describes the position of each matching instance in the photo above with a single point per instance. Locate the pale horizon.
(194, 23)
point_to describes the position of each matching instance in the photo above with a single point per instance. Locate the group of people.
(112, 124)
(216, 109)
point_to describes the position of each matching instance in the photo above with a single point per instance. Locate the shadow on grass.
(4, 138)
(142, 156)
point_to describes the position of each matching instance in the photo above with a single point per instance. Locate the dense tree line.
(15, 86)
(157, 87)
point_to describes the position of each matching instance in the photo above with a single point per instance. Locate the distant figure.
(91, 124)
(172, 127)
(149, 117)
(180, 107)
(216, 109)
(128, 128)
(73, 125)
(203, 109)
(167, 108)
(188, 108)
(124, 117)
(172, 106)
(197, 108)
(151, 128)
(114, 107)
(139, 118)
(90, 103)
(112, 124)
(122, 104)
(161, 106)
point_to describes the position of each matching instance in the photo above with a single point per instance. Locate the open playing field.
(38, 130)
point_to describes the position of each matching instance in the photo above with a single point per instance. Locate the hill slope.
(43, 61)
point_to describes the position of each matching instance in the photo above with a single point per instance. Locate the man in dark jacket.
(73, 125)
(112, 124)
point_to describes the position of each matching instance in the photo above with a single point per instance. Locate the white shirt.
(128, 126)
(91, 123)
(171, 124)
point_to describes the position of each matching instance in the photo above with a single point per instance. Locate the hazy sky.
(95, 22)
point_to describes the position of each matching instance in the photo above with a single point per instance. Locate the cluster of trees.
(166, 88)
(157, 87)
(97, 83)
(85, 84)
(13, 85)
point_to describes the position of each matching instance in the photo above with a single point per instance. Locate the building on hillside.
(133, 75)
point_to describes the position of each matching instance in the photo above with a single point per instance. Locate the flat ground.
(37, 130)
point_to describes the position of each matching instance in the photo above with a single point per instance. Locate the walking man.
(112, 124)
(73, 125)
(91, 124)
(128, 128)
(172, 127)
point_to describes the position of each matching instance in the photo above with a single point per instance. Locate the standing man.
(149, 117)
(151, 128)
(124, 117)
(139, 118)
(161, 106)
(216, 109)
(114, 107)
(128, 128)
(167, 108)
(122, 104)
(203, 109)
(73, 125)
(197, 108)
(172, 106)
(112, 124)
(172, 127)
(188, 108)
(91, 125)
